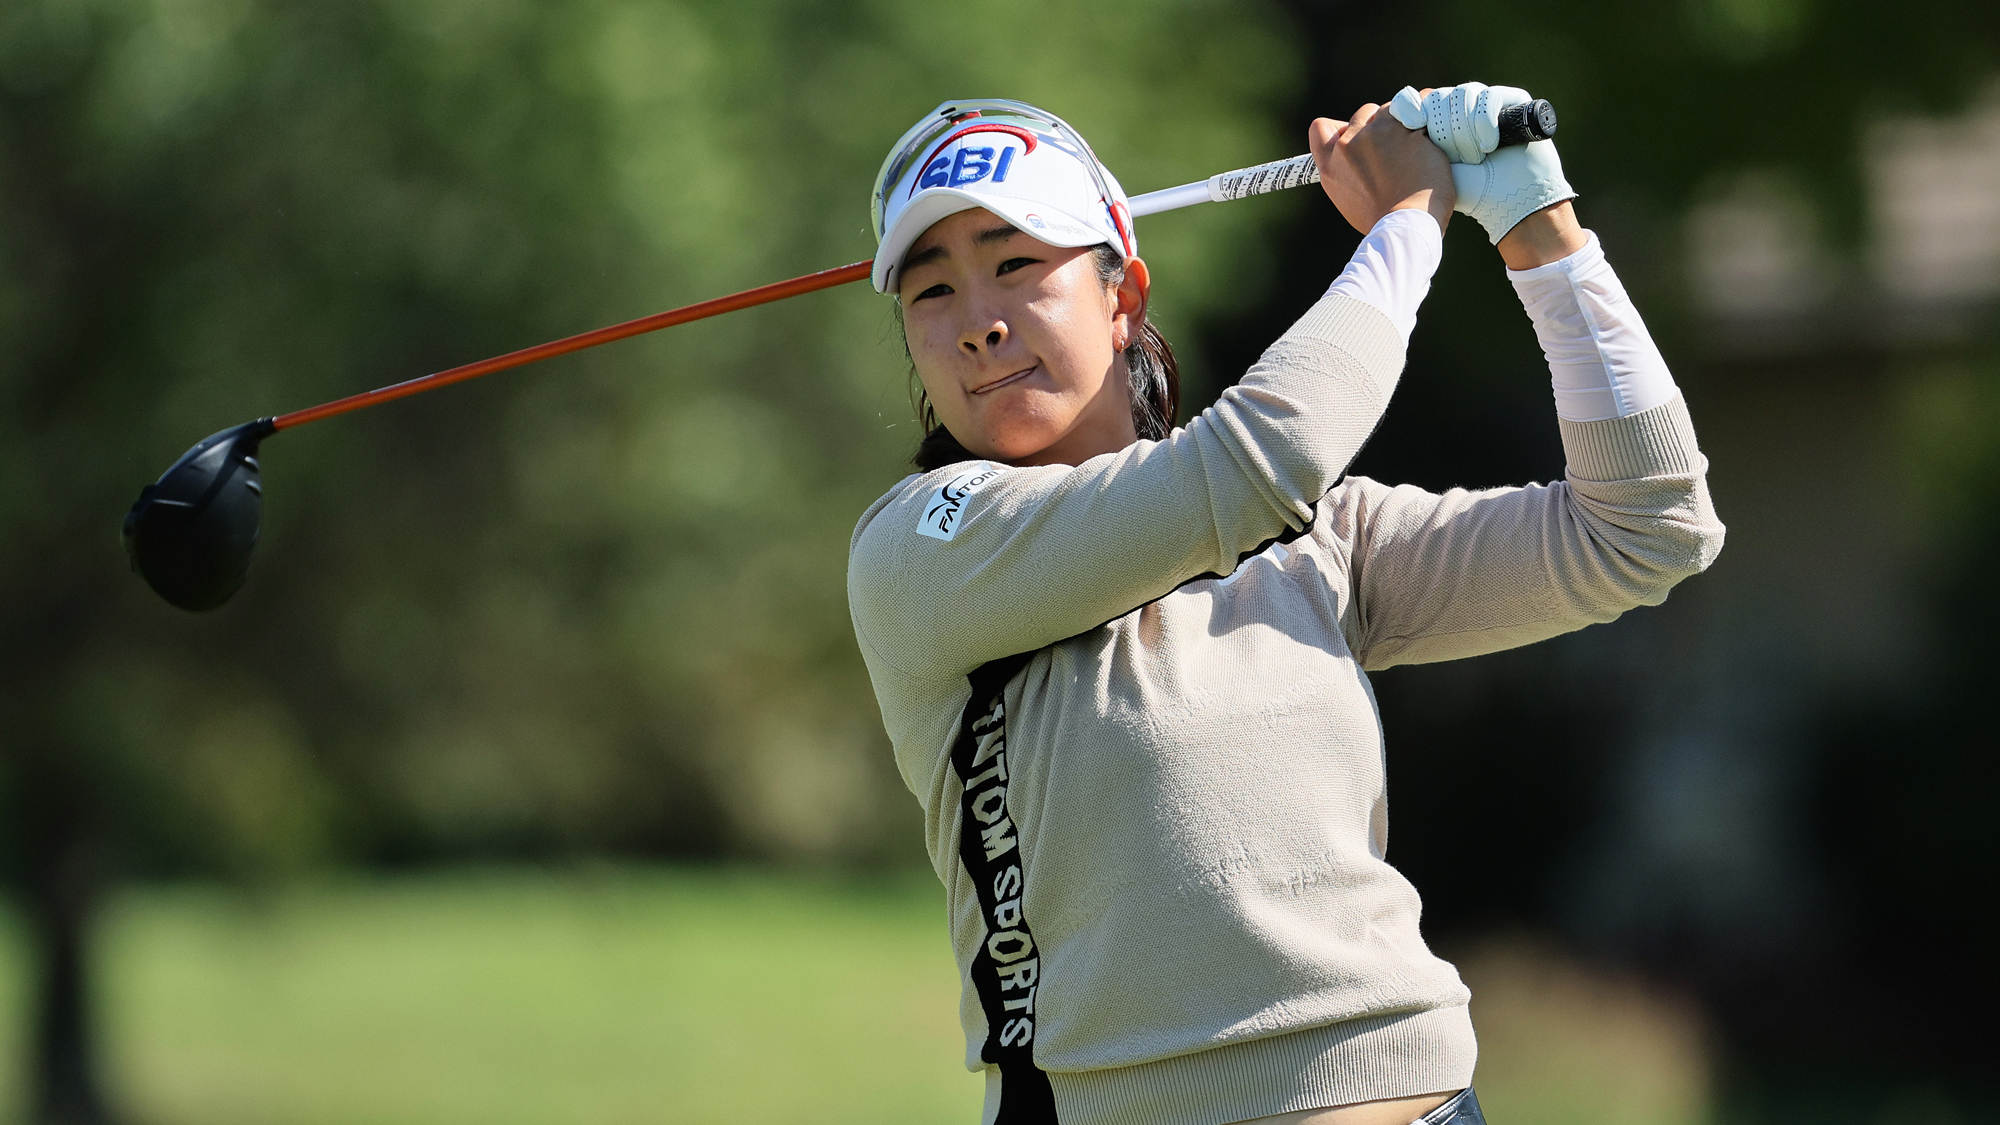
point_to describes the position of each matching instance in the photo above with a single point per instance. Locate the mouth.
(1005, 380)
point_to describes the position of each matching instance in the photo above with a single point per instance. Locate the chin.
(1020, 436)
(1021, 442)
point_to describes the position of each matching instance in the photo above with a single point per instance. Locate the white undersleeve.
(1602, 361)
(1392, 267)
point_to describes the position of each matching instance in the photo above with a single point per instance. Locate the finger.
(1407, 107)
(1360, 120)
(1437, 121)
(1464, 140)
(1323, 131)
(1485, 119)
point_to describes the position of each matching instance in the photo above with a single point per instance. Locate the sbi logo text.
(969, 165)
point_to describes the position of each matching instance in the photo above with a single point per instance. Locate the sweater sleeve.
(974, 562)
(1444, 576)
(1437, 577)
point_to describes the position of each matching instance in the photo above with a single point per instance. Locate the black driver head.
(192, 532)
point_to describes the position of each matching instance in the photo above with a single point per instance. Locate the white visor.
(1020, 166)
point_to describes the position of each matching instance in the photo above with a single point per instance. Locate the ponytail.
(1150, 367)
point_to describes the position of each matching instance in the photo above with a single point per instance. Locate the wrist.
(1435, 203)
(1548, 235)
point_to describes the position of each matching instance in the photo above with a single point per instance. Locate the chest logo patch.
(946, 506)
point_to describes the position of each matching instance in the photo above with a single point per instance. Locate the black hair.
(1150, 368)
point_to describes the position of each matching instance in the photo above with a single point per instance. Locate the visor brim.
(933, 205)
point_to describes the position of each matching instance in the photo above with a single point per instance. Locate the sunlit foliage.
(592, 605)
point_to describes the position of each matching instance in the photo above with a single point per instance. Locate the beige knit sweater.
(1174, 902)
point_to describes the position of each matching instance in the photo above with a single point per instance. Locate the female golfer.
(1124, 666)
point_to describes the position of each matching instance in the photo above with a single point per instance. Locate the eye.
(938, 290)
(1012, 264)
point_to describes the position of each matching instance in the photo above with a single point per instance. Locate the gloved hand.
(1497, 186)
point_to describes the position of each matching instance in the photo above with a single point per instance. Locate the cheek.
(936, 360)
(926, 341)
(1074, 339)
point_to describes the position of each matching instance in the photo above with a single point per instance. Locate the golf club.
(192, 533)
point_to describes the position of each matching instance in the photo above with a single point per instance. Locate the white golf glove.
(1497, 186)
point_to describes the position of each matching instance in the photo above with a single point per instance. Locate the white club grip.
(1275, 176)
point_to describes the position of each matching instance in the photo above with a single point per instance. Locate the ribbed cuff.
(1360, 1060)
(1359, 329)
(1652, 443)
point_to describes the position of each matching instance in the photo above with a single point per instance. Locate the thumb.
(1469, 180)
(1407, 107)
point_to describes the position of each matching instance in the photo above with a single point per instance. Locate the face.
(1018, 342)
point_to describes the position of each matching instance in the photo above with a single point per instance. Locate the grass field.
(512, 999)
(673, 996)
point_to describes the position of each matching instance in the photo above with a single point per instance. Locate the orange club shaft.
(749, 298)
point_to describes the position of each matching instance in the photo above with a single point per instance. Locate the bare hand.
(1371, 166)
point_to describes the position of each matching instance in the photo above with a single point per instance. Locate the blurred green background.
(534, 777)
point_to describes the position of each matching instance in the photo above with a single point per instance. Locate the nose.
(990, 335)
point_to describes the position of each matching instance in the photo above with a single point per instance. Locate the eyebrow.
(938, 252)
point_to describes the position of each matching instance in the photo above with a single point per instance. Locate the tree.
(593, 607)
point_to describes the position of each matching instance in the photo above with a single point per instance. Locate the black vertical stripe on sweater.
(1007, 967)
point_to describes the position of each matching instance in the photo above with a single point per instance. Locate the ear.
(1128, 310)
